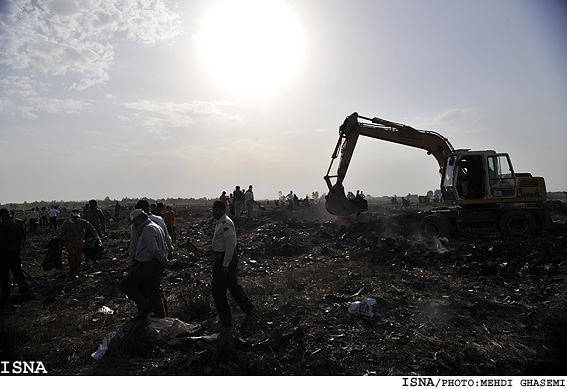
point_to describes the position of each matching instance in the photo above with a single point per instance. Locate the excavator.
(478, 187)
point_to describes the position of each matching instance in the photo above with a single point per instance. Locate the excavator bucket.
(338, 204)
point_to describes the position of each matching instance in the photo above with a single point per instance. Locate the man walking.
(169, 220)
(53, 213)
(73, 232)
(225, 268)
(34, 217)
(290, 200)
(142, 283)
(238, 198)
(144, 205)
(94, 215)
(12, 238)
(250, 202)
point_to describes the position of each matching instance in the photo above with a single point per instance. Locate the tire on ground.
(436, 225)
(517, 223)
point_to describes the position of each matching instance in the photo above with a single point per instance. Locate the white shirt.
(224, 238)
(160, 222)
(151, 243)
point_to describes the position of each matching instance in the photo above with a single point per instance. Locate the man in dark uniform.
(225, 268)
(12, 238)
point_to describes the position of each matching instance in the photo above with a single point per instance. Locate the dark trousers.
(33, 226)
(227, 281)
(171, 230)
(142, 285)
(10, 261)
(52, 223)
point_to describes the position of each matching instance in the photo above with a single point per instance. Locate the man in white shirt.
(144, 205)
(53, 214)
(249, 199)
(142, 283)
(225, 268)
(289, 198)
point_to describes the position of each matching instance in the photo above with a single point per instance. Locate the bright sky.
(159, 98)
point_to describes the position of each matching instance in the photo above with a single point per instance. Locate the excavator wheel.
(517, 223)
(436, 225)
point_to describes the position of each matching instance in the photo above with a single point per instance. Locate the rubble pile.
(477, 304)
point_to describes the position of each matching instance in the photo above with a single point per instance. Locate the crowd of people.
(239, 202)
(47, 217)
(151, 249)
(39, 218)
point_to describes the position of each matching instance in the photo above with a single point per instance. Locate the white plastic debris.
(170, 327)
(440, 243)
(98, 354)
(105, 310)
(189, 339)
(363, 307)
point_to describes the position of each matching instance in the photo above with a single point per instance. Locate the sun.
(250, 46)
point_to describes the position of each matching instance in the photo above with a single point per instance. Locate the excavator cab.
(478, 176)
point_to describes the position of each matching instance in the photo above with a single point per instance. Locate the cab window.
(501, 176)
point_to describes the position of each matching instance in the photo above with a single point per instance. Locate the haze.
(163, 99)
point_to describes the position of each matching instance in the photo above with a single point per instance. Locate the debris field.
(476, 304)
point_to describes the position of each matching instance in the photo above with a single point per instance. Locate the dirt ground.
(478, 304)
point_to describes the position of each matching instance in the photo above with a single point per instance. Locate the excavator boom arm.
(352, 128)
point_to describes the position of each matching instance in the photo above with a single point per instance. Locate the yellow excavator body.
(468, 178)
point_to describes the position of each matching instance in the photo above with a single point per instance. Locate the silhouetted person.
(12, 239)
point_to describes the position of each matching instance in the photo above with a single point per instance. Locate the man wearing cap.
(142, 283)
(144, 205)
(73, 232)
(225, 268)
(12, 238)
